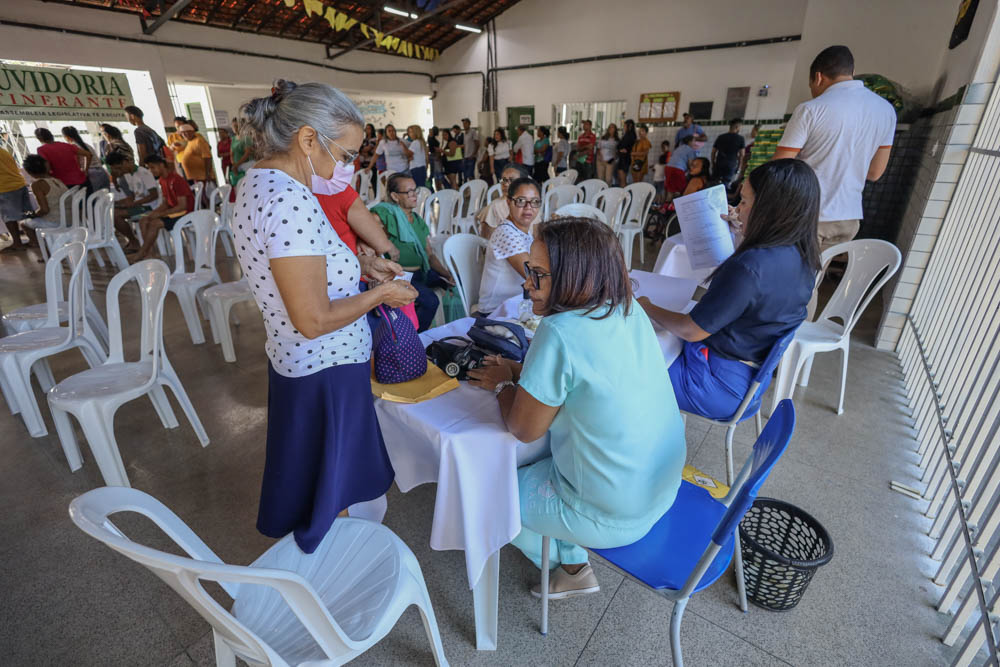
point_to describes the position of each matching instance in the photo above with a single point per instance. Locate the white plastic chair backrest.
(477, 191)
(211, 199)
(613, 202)
(102, 227)
(221, 194)
(578, 210)
(495, 192)
(642, 199)
(866, 260)
(198, 188)
(570, 176)
(152, 276)
(591, 188)
(423, 193)
(88, 211)
(204, 223)
(559, 196)
(92, 512)
(78, 206)
(363, 186)
(381, 193)
(74, 254)
(448, 204)
(66, 206)
(465, 256)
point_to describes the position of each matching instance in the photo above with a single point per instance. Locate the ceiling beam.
(442, 7)
(174, 10)
(242, 15)
(278, 4)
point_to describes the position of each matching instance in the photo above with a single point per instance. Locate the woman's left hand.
(382, 270)
(488, 377)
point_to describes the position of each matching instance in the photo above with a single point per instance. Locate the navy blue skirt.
(324, 452)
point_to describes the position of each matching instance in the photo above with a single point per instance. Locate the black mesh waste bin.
(782, 548)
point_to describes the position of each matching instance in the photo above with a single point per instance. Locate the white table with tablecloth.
(459, 441)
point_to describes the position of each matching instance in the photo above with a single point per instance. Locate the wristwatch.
(503, 385)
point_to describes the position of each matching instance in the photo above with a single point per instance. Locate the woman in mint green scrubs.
(595, 378)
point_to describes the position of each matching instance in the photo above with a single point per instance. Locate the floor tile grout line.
(599, 621)
(737, 637)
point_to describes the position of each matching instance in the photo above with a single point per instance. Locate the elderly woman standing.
(617, 437)
(324, 448)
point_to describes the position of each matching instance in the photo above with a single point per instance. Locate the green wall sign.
(50, 93)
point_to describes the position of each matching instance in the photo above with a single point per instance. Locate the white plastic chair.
(591, 188)
(93, 396)
(423, 194)
(465, 256)
(34, 317)
(870, 264)
(559, 196)
(570, 176)
(65, 219)
(382, 185)
(440, 211)
(363, 184)
(477, 195)
(577, 210)
(290, 608)
(634, 220)
(186, 284)
(101, 228)
(495, 192)
(220, 300)
(20, 352)
(198, 189)
(219, 201)
(613, 202)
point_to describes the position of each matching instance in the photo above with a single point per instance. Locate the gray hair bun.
(271, 122)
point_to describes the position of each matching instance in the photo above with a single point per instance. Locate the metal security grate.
(950, 353)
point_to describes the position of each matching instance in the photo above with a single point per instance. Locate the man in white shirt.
(525, 146)
(135, 191)
(470, 149)
(845, 134)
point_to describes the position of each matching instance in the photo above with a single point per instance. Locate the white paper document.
(706, 235)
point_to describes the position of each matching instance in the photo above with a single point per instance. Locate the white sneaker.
(562, 584)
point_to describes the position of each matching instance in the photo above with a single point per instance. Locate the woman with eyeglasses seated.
(756, 296)
(596, 380)
(494, 213)
(509, 245)
(410, 235)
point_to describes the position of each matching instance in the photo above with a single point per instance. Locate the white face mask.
(341, 179)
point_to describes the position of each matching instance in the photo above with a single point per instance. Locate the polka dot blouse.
(276, 216)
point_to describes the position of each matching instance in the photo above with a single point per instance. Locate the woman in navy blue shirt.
(756, 296)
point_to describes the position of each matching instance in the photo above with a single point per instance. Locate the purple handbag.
(396, 348)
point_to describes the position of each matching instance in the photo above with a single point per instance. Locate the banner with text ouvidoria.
(52, 93)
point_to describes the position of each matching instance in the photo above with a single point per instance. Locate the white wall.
(188, 66)
(540, 30)
(904, 40)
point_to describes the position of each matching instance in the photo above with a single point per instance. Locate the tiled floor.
(68, 600)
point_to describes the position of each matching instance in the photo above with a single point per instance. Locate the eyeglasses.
(506, 181)
(522, 202)
(349, 156)
(407, 193)
(535, 275)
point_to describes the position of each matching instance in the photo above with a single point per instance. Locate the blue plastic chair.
(691, 545)
(749, 407)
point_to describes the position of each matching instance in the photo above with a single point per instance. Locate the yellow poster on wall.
(658, 107)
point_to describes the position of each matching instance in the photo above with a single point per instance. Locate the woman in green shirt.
(409, 233)
(241, 152)
(596, 380)
(543, 155)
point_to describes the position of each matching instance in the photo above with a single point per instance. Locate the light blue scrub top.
(618, 444)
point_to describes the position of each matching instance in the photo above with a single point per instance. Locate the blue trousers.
(469, 168)
(427, 301)
(710, 385)
(419, 175)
